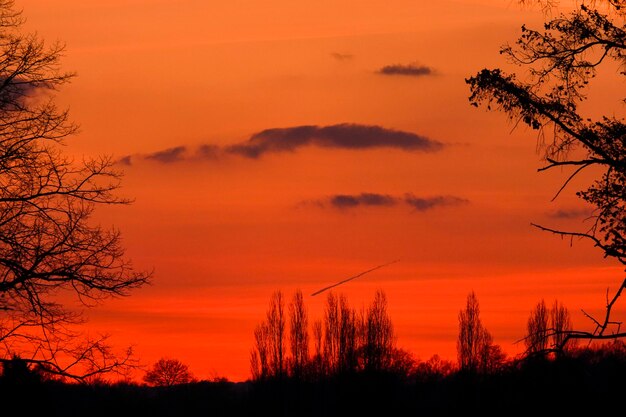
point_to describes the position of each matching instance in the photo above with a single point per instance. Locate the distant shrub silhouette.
(17, 371)
(434, 369)
(566, 385)
(168, 372)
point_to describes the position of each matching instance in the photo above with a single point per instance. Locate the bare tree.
(260, 356)
(340, 335)
(434, 369)
(537, 327)
(561, 326)
(318, 359)
(268, 357)
(561, 60)
(48, 245)
(276, 329)
(332, 332)
(348, 337)
(548, 329)
(474, 344)
(344, 342)
(492, 357)
(168, 372)
(379, 343)
(299, 334)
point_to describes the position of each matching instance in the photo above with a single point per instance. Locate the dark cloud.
(428, 203)
(363, 199)
(573, 213)
(208, 152)
(168, 156)
(342, 136)
(411, 70)
(350, 201)
(342, 57)
(177, 154)
(125, 160)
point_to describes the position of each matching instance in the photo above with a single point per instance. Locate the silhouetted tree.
(268, 357)
(47, 242)
(547, 329)
(260, 356)
(318, 358)
(19, 372)
(561, 325)
(299, 334)
(348, 337)
(168, 372)
(341, 335)
(537, 327)
(493, 358)
(379, 335)
(561, 60)
(332, 333)
(345, 342)
(434, 369)
(276, 329)
(401, 362)
(475, 349)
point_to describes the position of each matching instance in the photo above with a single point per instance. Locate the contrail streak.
(354, 277)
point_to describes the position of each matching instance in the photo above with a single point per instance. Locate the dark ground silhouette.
(588, 380)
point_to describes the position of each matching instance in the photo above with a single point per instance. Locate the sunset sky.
(282, 145)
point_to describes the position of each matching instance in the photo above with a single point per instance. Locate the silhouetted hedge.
(587, 381)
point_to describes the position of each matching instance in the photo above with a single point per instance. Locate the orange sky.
(223, 231)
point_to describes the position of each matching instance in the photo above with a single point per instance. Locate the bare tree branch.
(48, 245)
(560, 62)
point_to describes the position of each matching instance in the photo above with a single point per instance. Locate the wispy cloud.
(411, 70)
(363, 199)
(125, 160)
(341, 56)
(421, 204)
(572, 213)
(176, 154)
(341, 136)
(167, 156)
(428, 203)
(208, 151)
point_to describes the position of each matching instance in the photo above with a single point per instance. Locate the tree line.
(345, 341)
(287, 345)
